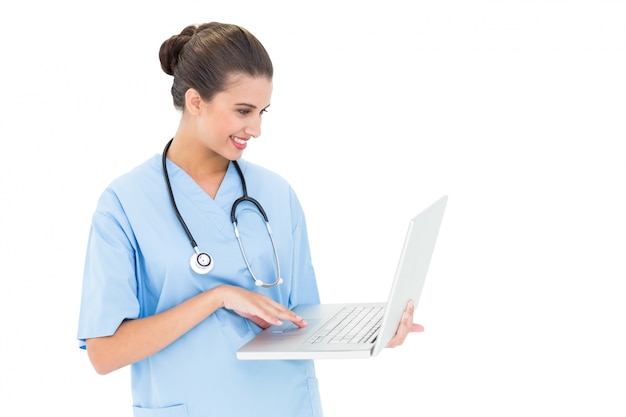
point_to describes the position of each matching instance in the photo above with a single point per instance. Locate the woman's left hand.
(405, 327)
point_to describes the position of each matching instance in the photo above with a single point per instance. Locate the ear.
(193, 101)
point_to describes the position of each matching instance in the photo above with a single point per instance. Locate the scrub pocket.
(173, 411)
(314, 396)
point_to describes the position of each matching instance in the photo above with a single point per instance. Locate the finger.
(417, 327)
(300, 322)
(259, 322)
(294, 318)
(277, 313)
(403, 330)
(394, 342)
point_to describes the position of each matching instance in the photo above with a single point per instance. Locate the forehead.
(245, 88)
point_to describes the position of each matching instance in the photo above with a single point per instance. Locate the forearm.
(137, 339)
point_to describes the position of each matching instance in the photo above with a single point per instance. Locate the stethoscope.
(201, 262)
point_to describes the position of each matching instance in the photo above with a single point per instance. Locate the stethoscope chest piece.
(201, 262)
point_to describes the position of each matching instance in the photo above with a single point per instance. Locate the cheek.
(225, 126)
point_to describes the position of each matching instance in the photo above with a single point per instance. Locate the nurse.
(169, 288)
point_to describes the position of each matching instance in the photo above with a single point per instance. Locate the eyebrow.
(246, 104)
(252, 106)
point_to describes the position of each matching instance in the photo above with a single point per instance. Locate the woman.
(179, 320)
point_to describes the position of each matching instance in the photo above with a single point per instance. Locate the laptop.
(329, 334)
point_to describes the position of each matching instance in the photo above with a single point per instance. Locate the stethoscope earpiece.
(201, 262)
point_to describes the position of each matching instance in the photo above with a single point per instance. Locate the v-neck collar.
(215, 209)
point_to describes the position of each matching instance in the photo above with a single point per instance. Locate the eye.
(264, 111)
(244, 112)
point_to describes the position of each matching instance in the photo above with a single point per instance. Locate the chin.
(235, 156)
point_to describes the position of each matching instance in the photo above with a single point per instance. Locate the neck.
(205, 167)
(195, 159)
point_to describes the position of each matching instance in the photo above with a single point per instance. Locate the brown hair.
(204, 56)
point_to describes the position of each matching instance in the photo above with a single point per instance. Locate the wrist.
(218, 295)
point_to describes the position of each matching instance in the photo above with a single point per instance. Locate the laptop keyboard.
(350, 325)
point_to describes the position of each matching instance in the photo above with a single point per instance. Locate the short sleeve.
(305, 290)
(109, 292)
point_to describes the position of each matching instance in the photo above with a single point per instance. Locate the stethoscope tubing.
(204, 266)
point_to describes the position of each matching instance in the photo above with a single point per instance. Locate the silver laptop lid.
(415, 257)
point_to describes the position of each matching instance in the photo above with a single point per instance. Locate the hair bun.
(170, 49)
(204, 57)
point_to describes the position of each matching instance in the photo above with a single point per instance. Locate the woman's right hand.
(137, 339)
(258, 308)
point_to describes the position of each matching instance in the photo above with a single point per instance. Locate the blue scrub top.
(137, 265)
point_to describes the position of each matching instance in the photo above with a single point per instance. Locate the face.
(232, 117)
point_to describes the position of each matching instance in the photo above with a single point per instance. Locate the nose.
(254, 128)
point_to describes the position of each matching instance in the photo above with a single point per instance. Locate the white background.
(514, 109)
